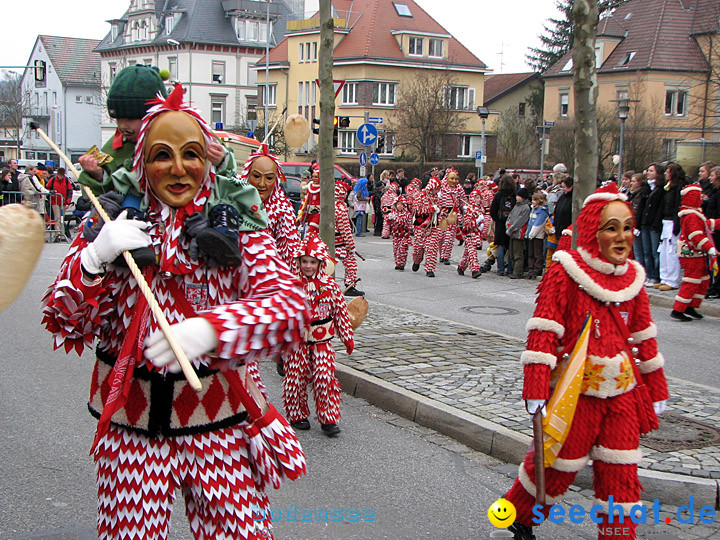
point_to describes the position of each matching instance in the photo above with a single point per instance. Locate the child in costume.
(154, 429)
(695, 245)
(344, 243)
(598, 278)
(400, 220)
(472, 225)
(314, 361)
(386, 202)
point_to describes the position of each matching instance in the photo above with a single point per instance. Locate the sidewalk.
(466, 382)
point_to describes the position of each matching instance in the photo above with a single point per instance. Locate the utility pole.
(325, 139)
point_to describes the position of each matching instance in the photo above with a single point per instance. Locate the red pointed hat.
(588, 222)
(313, 246)
(433, 183)
(692, 196)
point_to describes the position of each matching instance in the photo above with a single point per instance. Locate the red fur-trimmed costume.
(472, 223)
(314, 361)
(450, 199)
(693, 246)
(167, 436)
(344, 242)
(401, 223)
(309, 214)
(426, 231)
(605, 427)
(386, 202)
(281, 216)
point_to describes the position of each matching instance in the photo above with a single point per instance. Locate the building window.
(251, 104)
(271, 94)
(465, 146)
(240, 29)
(301, 50)
(147, 61)
(384, 93)
(416, 46)
(347, 141)
(301, 94)
(113, 71)
(461, 98)
(253, 30)
(263, 29)
(78, 99)
(315, 51)
(676, 102)
(172, 68)
(384, 144)
(564, 105)
(88, 99)
(218, 72)
(113, 32)
(402, 9)
(217, 108)
(169, 24)
(349, 94)
(435, 48)
(521, 110)
(307, 51)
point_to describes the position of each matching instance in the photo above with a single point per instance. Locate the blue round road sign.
(367, 134)
(374, 158)
(363, 159)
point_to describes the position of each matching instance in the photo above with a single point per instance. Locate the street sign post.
(362, 158)
(374, 158)
(367, 134)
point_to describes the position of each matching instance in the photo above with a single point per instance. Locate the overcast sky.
(494, 30)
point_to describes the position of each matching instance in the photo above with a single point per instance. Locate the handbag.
(647, 418)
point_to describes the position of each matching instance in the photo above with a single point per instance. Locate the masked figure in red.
(472, 224)
(386, 202)
(450, 199)
(401, 222)
(426, 232)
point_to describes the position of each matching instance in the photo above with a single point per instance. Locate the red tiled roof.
(372, 23)
(658, 32)
(497, 85)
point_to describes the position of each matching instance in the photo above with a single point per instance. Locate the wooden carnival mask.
(263, 176)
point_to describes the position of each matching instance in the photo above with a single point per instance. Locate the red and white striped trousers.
(470, 253)
(349, 261)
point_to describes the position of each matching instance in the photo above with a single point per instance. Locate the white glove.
(660, 406)
(534, 404)
(712, 252)
(119, 235)
(196, 337)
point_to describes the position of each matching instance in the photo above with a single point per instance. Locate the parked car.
(294, 168)
(291, 187)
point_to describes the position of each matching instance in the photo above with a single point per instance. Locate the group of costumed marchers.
(594, 294)
(155, 433)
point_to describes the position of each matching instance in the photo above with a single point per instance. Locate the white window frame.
(169, 24)
(307, 51)
(315, 51)
(262, 31)
(253, 31)
(413, 43)
(301, 53)
(301, 94)
(241, 29)
(678, 107)
(271, 93)
(217, 106)
(349, 94)
(78, 99)
(347, 142)
(564, 103)
(217, 72)
(468, 98)
(465, 146)
(112, 66)
(436, 41)
(173, 67)
(385, 93)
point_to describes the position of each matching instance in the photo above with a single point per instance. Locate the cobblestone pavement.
(478, 372)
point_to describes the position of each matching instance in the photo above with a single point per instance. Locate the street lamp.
(483, 112)
(623, 113)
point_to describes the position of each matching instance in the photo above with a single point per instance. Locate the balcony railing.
(38, 112)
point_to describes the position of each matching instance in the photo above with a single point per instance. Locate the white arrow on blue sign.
(374, 158)
(367, 134)
(375, 120)
(363, 159)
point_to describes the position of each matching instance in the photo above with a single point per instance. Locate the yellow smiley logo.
(502, 513)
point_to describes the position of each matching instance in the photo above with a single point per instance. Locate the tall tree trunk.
(585, 89)
(327, 112)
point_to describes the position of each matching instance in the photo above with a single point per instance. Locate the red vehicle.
(294, 168)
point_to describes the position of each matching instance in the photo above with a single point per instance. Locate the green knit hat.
(131, 90)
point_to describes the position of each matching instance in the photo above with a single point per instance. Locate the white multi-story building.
(209, 46)
(67, 102)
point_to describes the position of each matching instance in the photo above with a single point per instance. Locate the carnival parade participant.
(450, 199)
(264, 172)
(309, 214)
(314, 361)
(344, 242)
(401, 222)
(154, 430)
(472, 226)
(411, 191)
(486, 189)
(600, 280)
(695, 245)
(386, 202)
(425, 230)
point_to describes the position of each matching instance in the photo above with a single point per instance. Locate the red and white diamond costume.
(401, 222)
(487, 190)
(472, 222)
(693, 245)
(425, 229)
(411, 190)
(167, 436)
(314, 361)
(450, 199)
(309, 214)
(281, 216)
(605, 428)
(344, 242)
(386, 202)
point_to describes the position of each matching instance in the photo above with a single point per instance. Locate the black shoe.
(220, 239)
(398, 267)
(694, 314)
(442, 261)
(679, 316)
(430, 274)
(460, 271)
(330, 429)
(521, 532)
(302, 425)
(712, 294)
(446, 262)
(461, 242)
(352, 291)
(280, 368)
(476, 275)
(515, 276)
(415, 267)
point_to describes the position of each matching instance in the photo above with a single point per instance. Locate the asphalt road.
(406, 482)
(504, 305)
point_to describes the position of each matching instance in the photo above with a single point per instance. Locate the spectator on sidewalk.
(704, 179)
(32, 189)
(651, 222)
(502, 204)
(63, 187)
(563, 208)
(669, 262)
(711, 209)
(536, 235)
(639, 192)
(516, 228)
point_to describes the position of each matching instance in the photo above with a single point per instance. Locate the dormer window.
(435, 48)
(627, 58)
(568, 66)
(169, 24)
(113, 32)
(240, 29)
(416, 46)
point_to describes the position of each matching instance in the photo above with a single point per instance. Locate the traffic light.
(40, 70)
(336, 122)
(380, 144)
(344, 121)
(316, 130)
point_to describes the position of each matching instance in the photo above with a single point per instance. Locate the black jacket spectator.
(500, 208)
(563, 213)
(671, 207)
